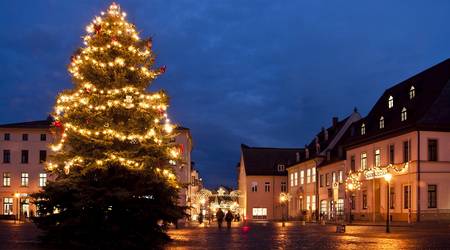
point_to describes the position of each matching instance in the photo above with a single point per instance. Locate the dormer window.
(412, 92)
(363, 129)
(281, 167)
(404, 114)
(381, 122)
(391, 102)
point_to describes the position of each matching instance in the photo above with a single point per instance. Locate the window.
(24, 137)
(6, 156)
(412, 92)
(308, 175)
(341, 176)
(280, 167)
(333, 177)
(283, 187)
(292, 179)
(392, 198)
(321, 180)
(7, 136)
(377, 158)
(363, 129)
(259, 213)
(353, 202)
(390, 102)
(404, 114)
(364, 199)
(42, 156)
(407, 196)
(313, 174)
(391, 153)
(296, 179)
(432, 150)
(406, 151)
(302, 177)
(381, 122)
(24, 158)
(24, 180)
(352, 163)
(340, 207)
(8, 206)
(327, 179)
(363, 161)
(254, 186)
(43, 137)
(6, 179)
(267, 187)
(308, 202)
(432, 196)
(43, 180)
(313, 203)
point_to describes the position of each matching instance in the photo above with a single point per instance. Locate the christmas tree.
(113, 185)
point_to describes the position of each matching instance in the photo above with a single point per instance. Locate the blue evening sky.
(263, 73)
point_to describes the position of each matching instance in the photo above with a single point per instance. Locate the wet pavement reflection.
(267, 235)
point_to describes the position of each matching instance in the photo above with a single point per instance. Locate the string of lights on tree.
(111, 74)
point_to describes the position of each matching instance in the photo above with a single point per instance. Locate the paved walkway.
(312, 236)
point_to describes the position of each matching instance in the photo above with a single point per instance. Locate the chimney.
(335, 122)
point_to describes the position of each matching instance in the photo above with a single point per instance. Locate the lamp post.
(350, 188)
(283, 200)
(17, 195)
(388, 178)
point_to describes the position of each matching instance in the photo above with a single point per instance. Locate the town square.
(224, 125)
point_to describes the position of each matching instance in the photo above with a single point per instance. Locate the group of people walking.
(221, 216)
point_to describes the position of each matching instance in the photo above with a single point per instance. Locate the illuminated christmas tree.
(113, 185)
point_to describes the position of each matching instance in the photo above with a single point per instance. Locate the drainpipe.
(418, 176)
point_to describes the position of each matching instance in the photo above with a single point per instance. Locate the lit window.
(308, 202)
(42, 179)
(381, 122)
(377, 158)
(412, 92)
(308, 175)
(267, 187)
(363, 161)
(391, 102)
(404, 115)
(341, 176)
(24, 180)
(313, 174)
(259, 213)
(7, 206)
(254, 186)
(292, 179)
(295, 179)
(283, 186)
(280, 168)
(6, 179)
(313, 203)
(302, 177)
(363, 129)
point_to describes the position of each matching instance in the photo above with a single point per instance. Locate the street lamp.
(388, 178)
(350, 187)
(283, 198)
(17, 195)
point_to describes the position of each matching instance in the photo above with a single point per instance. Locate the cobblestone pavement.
(311, 236)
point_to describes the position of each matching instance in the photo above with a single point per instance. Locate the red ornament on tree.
(149, 43)
(57, 124)
(97, 28)
(162, 70)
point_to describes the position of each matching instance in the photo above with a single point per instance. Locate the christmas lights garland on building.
(354, 179)
(113, 50)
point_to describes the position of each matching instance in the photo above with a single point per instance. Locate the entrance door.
(25, 209)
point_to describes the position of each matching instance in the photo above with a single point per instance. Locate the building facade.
(24, 149)
(262, 178)
(406, 136)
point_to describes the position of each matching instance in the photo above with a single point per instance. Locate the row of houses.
(24, 148)
(396, 159)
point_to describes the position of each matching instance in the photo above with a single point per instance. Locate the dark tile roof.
(265, 161)
(429, 109)
(42, 124)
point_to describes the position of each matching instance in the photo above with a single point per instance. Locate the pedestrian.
(229, 218)
(238, 217)
(219, 217)
(200, 218)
